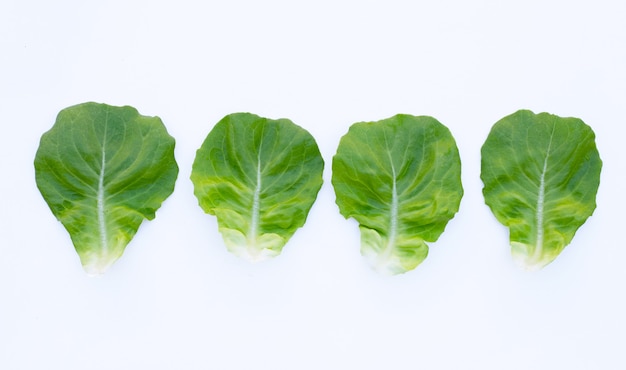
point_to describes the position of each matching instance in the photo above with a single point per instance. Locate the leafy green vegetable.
(102, 170)
(260, 178)
(541, 174)
(400, 178)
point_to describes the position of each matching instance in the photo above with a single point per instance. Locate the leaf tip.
(253, 249)
(98, 267)
(528, 258)
(97, 261)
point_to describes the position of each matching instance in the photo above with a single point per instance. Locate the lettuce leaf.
(541, 174)
(400, 178)
(260, 178)
(103, 170)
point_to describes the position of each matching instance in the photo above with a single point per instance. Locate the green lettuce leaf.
(541, 174)
(103, 170)
(260, 178)
(400, 179)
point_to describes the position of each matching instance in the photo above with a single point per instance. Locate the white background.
(178, 300)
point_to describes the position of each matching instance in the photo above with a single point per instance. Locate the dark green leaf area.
(418, 154)
(138, 158)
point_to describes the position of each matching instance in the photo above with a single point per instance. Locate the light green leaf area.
(259, 177)
(541, 174)
(400, 179)
(103, 170)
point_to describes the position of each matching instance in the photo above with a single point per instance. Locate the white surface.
(178, 300)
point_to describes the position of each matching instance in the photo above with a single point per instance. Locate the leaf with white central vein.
(260, 178)
(103, 170)
(100, 202)
(540, 205)
(400, 178)
(541, 175)
(254, 223)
